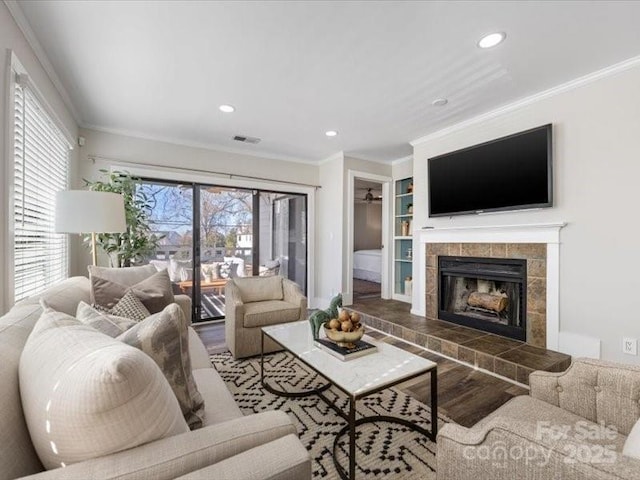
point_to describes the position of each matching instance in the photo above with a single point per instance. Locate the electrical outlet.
(630, 346)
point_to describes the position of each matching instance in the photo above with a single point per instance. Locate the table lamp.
(86, 211)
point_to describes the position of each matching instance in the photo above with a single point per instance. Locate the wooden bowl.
(344, 339)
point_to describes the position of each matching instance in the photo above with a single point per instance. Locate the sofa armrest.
(543, 385)
(293, 294)
(233, 315)
(184, 302)
(171, 457)
(282, 459)
(597, 390)
(233, 304)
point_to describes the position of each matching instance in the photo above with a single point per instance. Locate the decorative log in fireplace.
(495, 303)
(484, 293)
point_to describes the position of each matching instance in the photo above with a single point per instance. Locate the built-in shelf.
(403, 240)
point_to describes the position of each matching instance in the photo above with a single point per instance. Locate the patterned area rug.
(384, 450)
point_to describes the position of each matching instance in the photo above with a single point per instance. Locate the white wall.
(596, 184)
(153, 152)
(130, 152)
(329, 230)
(402, 168)
(12, 39)
(332, 228)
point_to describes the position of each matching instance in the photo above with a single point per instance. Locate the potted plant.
(131, 247)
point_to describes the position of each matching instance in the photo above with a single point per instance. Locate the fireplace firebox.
(484, 293)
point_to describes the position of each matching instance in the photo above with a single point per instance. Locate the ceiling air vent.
(242, 138)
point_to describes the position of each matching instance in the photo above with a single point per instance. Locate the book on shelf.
(362, 348)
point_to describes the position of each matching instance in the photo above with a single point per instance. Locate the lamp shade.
(85, 211)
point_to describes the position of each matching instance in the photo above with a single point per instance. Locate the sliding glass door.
(283, 236)
(225, 240)
(171, 218)
(213, 233)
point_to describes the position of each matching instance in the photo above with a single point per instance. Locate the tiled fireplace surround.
(539, 246)
(534, 253)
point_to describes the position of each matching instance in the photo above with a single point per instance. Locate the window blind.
(41, 168)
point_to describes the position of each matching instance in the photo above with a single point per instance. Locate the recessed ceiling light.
(227, 108)
(331, 133)
(439, 102)
(492, 40)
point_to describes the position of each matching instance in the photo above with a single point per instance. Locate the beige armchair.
(556, 432)
(255, 302)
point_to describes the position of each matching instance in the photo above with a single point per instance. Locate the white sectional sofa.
(229, 446)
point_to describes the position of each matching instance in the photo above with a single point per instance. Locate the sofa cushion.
(219, 405)
(164, 337)
(17, 455)
(64, 296)
(632, 444)
(552, 427)
(197, 351)
(106, 323)
(258, 289)
(272, 312)
(85, 395)
(128, 276)
(155, 291)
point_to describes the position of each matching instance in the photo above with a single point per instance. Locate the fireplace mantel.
(525, 233)
(547, 233)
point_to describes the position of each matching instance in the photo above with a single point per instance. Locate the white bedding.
(367, 265)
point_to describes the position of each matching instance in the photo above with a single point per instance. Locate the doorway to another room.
(367, 239)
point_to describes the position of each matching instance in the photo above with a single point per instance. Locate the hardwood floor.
(212, 335)
(465, 395)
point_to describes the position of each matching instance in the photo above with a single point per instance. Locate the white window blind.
(40, 170)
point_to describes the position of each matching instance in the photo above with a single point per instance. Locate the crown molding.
(200, 145)
(336, 156)
(23, 24)
(365, 159)
(551, 92)
(401, 160)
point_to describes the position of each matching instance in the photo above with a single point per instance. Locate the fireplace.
(484, 293)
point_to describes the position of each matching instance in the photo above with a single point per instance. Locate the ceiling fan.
(368, 197)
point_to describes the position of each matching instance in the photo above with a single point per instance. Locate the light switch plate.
(630, 346)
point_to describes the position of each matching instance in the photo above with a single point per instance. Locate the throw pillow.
(155, 291)
(211, 270)
(165, 338)
(131, 307)
(179, 270)
(632, 444)
(106, 323)
(128, 276)
(225, 269)
(85, 395)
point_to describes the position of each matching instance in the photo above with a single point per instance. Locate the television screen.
(509, 173)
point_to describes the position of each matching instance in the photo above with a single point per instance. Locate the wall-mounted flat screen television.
(510, 173)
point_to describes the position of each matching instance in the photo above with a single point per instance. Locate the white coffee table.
(362, 376)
